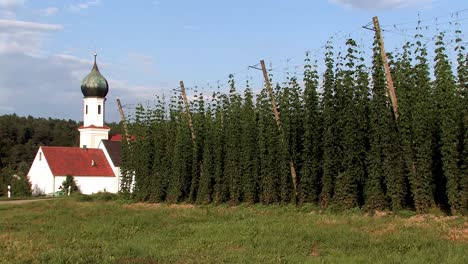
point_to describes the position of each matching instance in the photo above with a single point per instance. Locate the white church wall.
(90, 185)
(40, 175)
(91, 137)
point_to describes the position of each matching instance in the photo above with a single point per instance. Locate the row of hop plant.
(338, 129)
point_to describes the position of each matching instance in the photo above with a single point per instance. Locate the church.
(95, 164)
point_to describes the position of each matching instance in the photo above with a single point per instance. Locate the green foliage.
(385, 165)
(97, 197)
(249, 154)
(331, 154)
(310, 174)
(233, 137)
(338, 129)
(352, 139)
(69, 182)
(17, 179)
(447, 114)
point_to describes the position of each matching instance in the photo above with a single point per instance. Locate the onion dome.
(94, 84)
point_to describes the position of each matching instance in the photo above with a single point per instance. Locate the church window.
(40, 156)
(86, 109)
(99, 109)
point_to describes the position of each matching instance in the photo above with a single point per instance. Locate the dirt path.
(24, 201)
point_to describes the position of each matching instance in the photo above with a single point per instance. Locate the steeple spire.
(94, 84)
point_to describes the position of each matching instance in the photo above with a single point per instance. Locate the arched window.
(40, 156)
(86, 109)
(99, 109)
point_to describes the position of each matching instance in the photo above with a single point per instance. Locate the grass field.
(68, 231)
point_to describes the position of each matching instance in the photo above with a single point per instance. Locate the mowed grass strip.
(67, 231)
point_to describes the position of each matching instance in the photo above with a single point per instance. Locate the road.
(23, 201)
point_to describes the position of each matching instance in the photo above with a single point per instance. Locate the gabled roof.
(77, 162)
(113, 149)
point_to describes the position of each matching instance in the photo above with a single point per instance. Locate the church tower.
(94, 88)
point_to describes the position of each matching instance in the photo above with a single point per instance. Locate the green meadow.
(72, 231)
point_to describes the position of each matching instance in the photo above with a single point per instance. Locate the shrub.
(69, 182)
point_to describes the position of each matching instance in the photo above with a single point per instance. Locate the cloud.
(11, 3)
(24, 36)
(26, 25)
(41, 86)
(85, 5)
(141, 61)
(380, 4)
(8, 8)
(49, 11)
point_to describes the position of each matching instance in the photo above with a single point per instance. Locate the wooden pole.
(278, 123)
(388, 75)
(272, 96)
(124, 122)
(187, 108)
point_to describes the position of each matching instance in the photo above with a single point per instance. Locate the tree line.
(338, 128)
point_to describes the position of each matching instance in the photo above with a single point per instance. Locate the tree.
(69, 182)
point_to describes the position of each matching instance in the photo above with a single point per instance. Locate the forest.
(338, 129)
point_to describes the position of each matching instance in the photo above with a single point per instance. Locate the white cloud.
(141, 61)
(39, 86)
(15, 25)
(380, 4)
(125, 90)
(67, 58)
(24, 36)
(85, 5)
(49, 11)
(11, 3)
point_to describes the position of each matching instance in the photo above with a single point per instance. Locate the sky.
(146, 47)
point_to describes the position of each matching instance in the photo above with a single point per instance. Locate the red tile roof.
(119, 137)
(116, 137)
(77, 161)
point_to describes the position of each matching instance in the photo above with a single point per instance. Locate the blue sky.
(146, 47)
